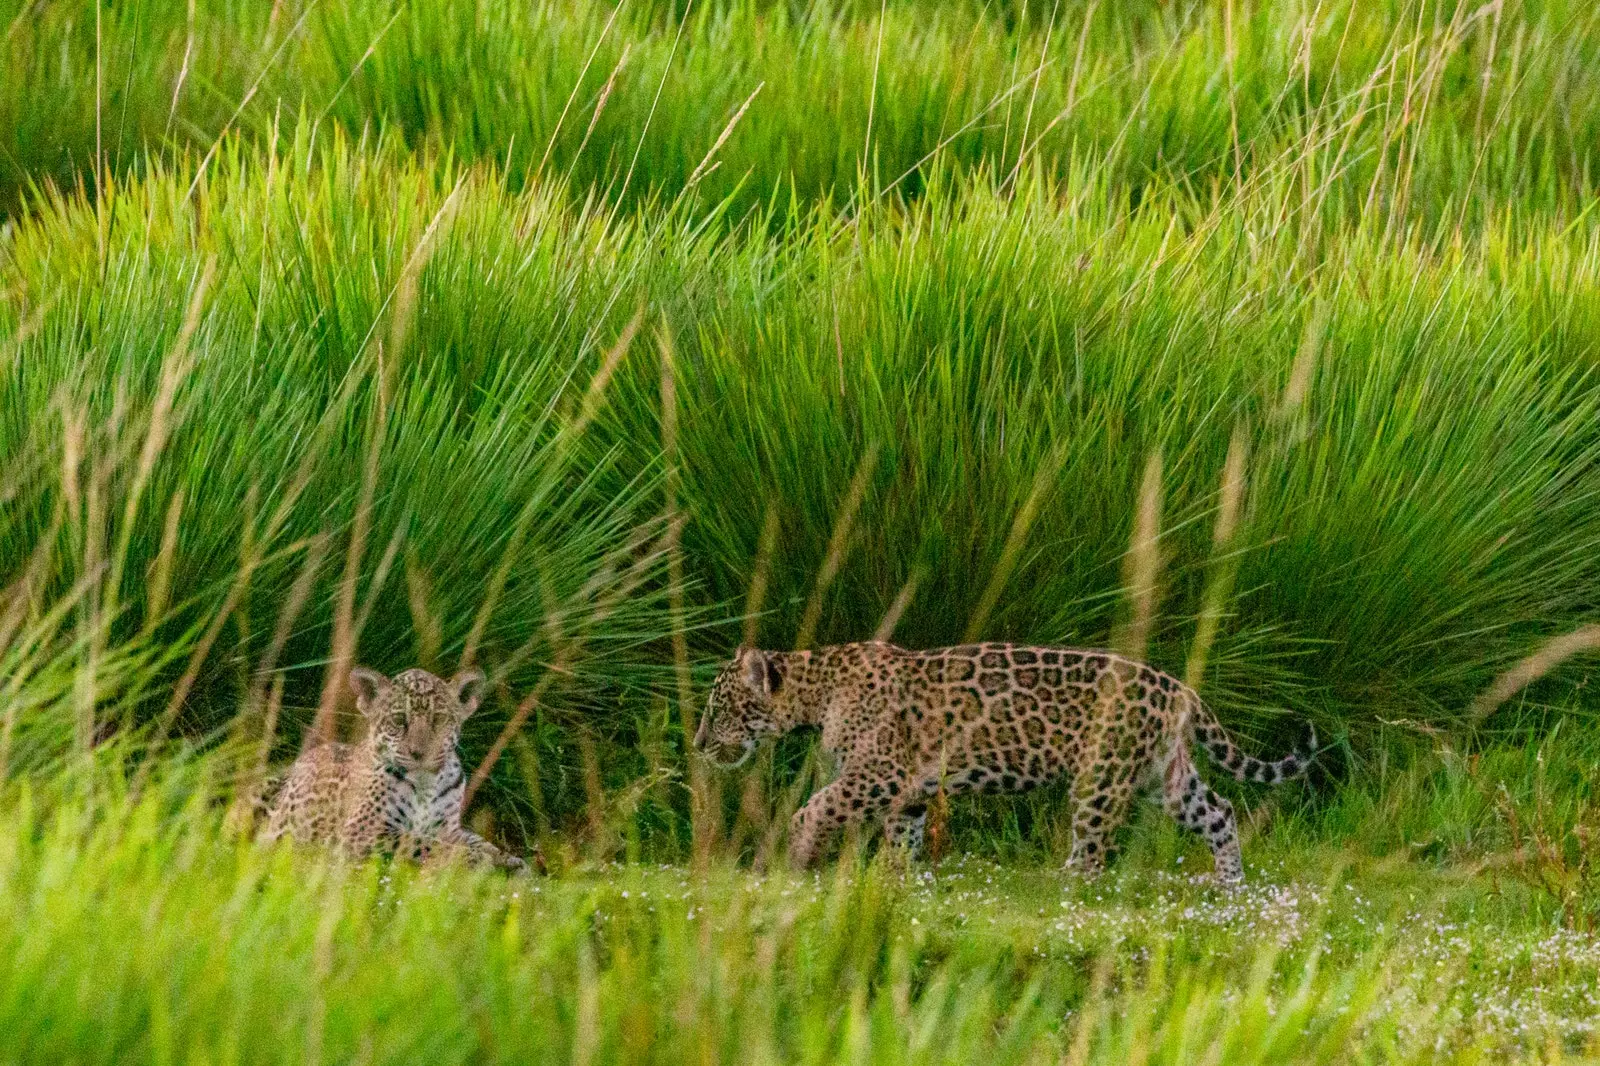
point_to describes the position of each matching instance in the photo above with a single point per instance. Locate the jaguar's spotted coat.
(399, 789)
(989, 718)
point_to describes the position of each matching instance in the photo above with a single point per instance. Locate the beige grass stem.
(1141, 567)
(1214, 599)
(1549, 655)
(838, 548)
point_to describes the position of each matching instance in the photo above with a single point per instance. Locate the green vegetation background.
(586, 341)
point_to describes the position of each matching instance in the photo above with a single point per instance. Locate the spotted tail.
(1209, 735)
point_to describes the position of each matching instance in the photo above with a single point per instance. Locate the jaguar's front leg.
(479, 852)
(814, 824)
(904, 825)
(848, 801)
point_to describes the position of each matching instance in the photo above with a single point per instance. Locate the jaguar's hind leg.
(1195, 806)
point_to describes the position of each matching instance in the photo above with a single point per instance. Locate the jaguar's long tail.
(1209, 735)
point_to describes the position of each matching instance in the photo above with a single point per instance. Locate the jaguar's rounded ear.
(368, 685)
(468, 688)
(761, 671)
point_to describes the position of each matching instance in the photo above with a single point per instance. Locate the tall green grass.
(1426, 110)
(409, 373)
(322, 339)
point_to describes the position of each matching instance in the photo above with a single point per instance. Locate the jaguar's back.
(311, 803)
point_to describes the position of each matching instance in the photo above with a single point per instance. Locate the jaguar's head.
(414, 721)
(743, 707)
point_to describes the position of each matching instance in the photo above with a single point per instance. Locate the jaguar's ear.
(762, 672)
(368, 685)
(468, 688)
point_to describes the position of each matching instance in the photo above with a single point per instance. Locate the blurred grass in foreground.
(139, 932)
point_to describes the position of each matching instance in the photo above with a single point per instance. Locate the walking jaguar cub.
(399, 789)
(989, 718)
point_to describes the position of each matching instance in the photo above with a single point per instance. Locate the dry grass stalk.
(244, 102)
(380, 578)
(897, 609)
(756, 597)
(402, 313)
(705, 792)
(838, 547)
(293, 604)
(1220, 585)
(424, 619)
(94, 616)
(19, 598)
(249, 797)
(1304, 370)
(577, 83)
(706, 165)
(21, 595)
(519, 718)
(1551, 654)
(497, 584)
(594, 396)
(594, 793)
(343, 652)
(1141, 568)
(644, 129)
(1090, 1015)
(158, 586)
(27, 325)
(191, 673)
(754, 816)
(528, 767)
(265, 695)
(1043, 478)
(72, 440)
(938, 824)
(600, 103)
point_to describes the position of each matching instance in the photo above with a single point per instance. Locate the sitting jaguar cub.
(400, 788)
(984, 718)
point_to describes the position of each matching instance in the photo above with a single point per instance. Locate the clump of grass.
(232, 536)
(975, 418)
(1561, 857)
